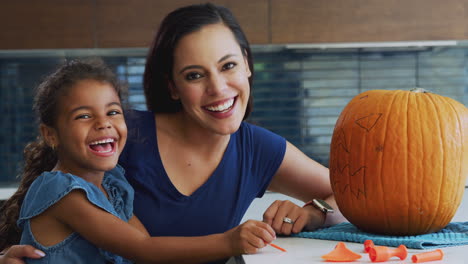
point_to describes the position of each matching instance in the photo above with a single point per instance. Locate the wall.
(297, 94)
(368, 20)
(51, 24)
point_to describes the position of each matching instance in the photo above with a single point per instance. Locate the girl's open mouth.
(103, 147)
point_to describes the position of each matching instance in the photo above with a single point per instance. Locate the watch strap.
(321, 205)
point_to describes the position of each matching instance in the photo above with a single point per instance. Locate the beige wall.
(49, 24)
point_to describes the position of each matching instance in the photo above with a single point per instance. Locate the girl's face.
(211, 79)
(90, 131)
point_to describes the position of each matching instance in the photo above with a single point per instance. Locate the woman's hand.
(285, 217)
(15, 254)
(250, 236)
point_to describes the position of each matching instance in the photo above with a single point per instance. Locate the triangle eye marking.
(368, 122)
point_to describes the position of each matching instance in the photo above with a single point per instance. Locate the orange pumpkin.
(399, 161)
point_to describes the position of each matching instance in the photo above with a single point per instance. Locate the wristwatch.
(321, 205)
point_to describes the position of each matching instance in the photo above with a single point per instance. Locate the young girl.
(74, 198)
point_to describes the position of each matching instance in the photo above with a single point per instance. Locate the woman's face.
(211, 78)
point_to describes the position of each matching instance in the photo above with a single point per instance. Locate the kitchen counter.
(304, 250)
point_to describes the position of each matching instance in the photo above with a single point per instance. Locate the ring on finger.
(288, 220)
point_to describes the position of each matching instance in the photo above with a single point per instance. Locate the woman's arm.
(111, 233)
(305, 179)
(15, 254)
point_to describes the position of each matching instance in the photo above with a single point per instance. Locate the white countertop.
(305, 250)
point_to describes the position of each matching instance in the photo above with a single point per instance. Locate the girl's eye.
(83, 116)
(193, 76)
(114, 112)
(229, 65)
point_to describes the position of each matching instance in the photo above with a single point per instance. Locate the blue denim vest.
(49, 188)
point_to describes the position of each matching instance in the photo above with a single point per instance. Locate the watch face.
(323, 206)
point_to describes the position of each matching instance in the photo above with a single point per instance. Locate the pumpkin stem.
(419, 90)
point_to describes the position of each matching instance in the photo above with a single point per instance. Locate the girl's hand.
(15, 254)
(250, 236)
(280, 212)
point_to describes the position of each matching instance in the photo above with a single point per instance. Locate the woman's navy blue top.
(251, 159)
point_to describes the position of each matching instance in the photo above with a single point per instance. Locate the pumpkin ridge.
(462, 134)
(407, 165)
(421, 103)
(382, 188)
(443, 182)
(456, 196)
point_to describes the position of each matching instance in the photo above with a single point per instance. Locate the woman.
(194, 163)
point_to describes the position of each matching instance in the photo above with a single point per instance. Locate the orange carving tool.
(368, 244)
(277, 247)
(341, 254)
(428, 256)
(380, 253)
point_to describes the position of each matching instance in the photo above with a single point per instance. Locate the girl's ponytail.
(38, 157)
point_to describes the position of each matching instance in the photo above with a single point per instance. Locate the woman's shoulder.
(134, 116)
(140, 125)
(260, 141)
(257, 132)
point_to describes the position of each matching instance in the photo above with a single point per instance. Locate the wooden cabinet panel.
(48, 24)
(253, 16)
(51, 24)
(319, 21)
(122, 23)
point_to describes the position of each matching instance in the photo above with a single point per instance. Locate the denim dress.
(49, 188)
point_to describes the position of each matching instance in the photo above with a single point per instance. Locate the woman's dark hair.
(160, 59)
(38, 156)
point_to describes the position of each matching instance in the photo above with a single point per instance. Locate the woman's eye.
(229, 65)
(193, 76)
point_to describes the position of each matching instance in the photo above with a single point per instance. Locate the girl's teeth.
(102, 146)
(109, 140)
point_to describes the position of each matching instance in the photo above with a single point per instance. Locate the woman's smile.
(222, 106)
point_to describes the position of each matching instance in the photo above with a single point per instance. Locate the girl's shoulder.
(50, 187)
(120, 192)
(47, 189)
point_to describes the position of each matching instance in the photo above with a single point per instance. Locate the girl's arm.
(305, 179)
(135, 222)
(112, 234)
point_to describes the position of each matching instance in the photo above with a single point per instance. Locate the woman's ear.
(50, 135)
(246, 61)
(174, 95)
(249, 73)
